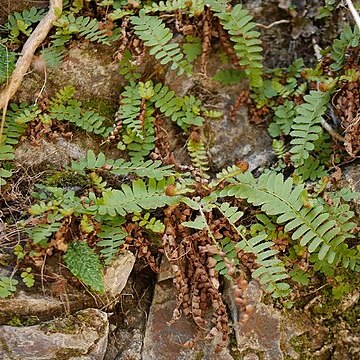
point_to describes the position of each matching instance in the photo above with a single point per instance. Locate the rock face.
(116, 275)
(266, 335)
(164, 340)
(79, 337)
(240, 140)
(24, 305)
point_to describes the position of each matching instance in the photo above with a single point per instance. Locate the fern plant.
(149, 168)
(21, 23)
(156, 36)
(239, 25)
(198, 154)
(63, 106)
(11, 135)
(283, 119)
(348, 38)
(112, 237)
(134, 199)
(7, 63)
(312, 226)
(185, 111)
(82, 261)
(7, 286)
(307, 125)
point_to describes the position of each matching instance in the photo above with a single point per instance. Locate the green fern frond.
(278, 147)
(113, 237)
(199, 156)
(226, 173)
(40, 234)
(82, 261)
(140, 147)
(11, 135)
(21, 22)
(311, 225)
(149, 222)
(239, 25)
(185, 111)
(348, 38)
(64, 107)
(129, 110)
(7, 63)
(53, 56)
(149, 168)
(166, 6)
(283, 119)
(307, 125)
(86, 27)
(156, 36)
(311, 169)
(7, 286)
(228, 247)
(127, 67)
(139, 196)
(271, 270)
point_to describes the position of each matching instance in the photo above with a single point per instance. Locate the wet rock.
(79, 337)
(116, 275)
(231, 142)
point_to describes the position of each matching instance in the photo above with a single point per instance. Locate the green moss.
(102, 107)
(67, 178)
(64, 326)
(68, 353)
(199, 355)
(5, 348)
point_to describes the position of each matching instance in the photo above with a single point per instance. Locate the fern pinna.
(11, 135)
(156, 36)
(307, 125)
(312, 226)
(239, 25)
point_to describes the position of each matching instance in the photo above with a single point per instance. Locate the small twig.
(27, 53)
(354, 13)
(331, 131)
(273, 24)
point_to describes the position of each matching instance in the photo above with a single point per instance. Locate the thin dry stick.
(354, 13)
(27, 53)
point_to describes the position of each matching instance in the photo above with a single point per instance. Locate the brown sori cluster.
(162, 149)
(347, 103)
(206, 37)
(195, 278)
(143, 246)
(243, 98)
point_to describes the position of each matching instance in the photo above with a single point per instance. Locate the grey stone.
(116, 275)
(79, 337)
(231, 142)
(165, 339)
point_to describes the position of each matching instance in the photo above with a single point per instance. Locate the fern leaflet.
(312, 226)
(134, 199)
(238, 23)
(156, 36)
(307, 125)
(85, 265)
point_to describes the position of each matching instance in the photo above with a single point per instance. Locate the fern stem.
(27, 53)
(354, 13)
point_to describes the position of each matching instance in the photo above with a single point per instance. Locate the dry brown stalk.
(27, 53)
